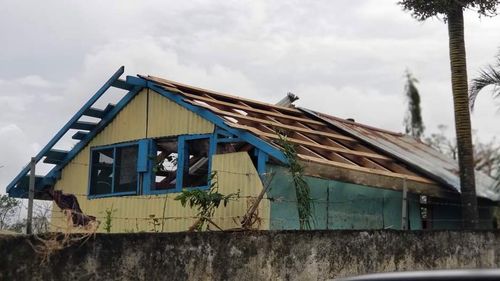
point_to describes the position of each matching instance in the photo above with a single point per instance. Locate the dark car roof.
(472, 274)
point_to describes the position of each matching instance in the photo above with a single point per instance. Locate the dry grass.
(48, 244)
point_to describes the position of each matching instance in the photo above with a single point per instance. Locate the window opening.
(166, 165)
(195, 170)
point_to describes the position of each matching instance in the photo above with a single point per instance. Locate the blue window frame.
(116, 170)
(151, 166)
(182, 162)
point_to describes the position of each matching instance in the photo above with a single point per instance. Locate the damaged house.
(131, 159)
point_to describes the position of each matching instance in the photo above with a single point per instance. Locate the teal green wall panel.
(414, 211)
(339, 205)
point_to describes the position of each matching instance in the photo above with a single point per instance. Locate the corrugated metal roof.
(413, 152)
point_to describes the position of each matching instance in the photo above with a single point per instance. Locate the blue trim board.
(262, 159)
(114, 146)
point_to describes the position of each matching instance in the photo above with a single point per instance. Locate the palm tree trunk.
(462, 116)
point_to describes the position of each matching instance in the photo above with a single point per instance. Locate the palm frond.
(489, 76)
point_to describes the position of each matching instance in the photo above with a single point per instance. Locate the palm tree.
(489, 76)
(452, 13)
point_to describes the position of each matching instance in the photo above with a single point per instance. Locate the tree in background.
(486, 155)
(8, 208)
(414, 125)
(452, 13)
(488, 76)
(40, 222)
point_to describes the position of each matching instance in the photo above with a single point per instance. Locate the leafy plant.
(488, 76)
(108, 218)
(205, 202)
(304, 202)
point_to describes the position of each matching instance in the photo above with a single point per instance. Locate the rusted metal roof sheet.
(412, 152)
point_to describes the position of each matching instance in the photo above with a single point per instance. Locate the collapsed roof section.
(329, 146)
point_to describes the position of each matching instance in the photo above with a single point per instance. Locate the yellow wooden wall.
(144, 213)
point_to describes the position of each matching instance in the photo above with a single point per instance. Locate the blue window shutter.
(143, 155)
(180, 163)
(148, 175)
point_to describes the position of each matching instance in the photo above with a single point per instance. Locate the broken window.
(151, 166)
(195, 170)
(165, 169)
(113, 170)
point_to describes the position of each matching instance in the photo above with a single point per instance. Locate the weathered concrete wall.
(275, 255)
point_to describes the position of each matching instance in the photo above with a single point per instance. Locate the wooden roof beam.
(279, 125)
(361, 177)
(330, 155)
(249, 109)
(309, 144)
(363, 169)
(199, 91)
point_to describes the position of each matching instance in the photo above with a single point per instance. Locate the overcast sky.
(343, 57)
